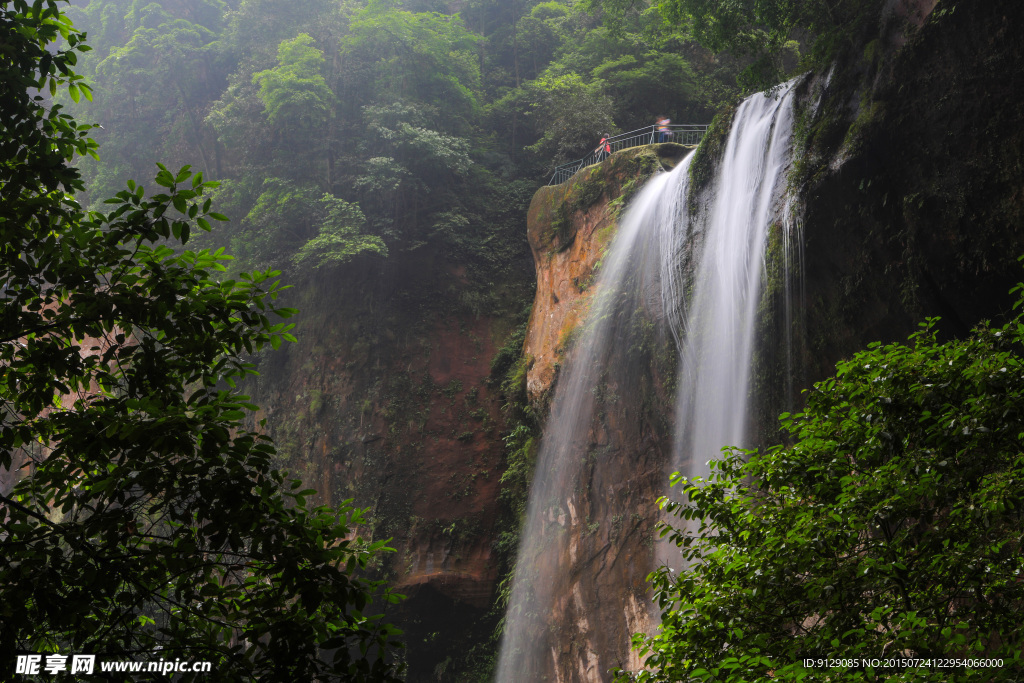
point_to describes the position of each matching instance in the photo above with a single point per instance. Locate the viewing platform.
(685, 134)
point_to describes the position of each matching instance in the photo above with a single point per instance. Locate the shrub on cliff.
(139, 518)
(890, 530)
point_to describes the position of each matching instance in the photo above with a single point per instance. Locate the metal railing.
(682, 134)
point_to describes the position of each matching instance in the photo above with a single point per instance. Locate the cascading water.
(603, 363)
(697, 276)
(729, 232)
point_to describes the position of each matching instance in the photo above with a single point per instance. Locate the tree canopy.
(772, 36)
(139, 515)
(406, 110)
(294, 92)
(890, 528)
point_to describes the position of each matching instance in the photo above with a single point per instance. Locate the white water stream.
(729, 232)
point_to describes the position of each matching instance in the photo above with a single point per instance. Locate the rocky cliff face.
(569, 227)
(386, 399)
(598, 534)
(909, 179)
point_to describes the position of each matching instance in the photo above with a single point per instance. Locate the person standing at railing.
(604, 148)
(664, 132)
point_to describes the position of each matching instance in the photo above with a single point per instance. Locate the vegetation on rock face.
(521, 440)
(889, 528)
(138, 517)
(709, 155)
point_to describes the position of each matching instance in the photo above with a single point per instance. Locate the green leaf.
(179, 203)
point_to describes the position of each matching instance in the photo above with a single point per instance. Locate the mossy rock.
(708, 156)
(554, 206)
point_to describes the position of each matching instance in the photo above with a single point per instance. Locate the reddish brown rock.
(598, 535)
(569, 227)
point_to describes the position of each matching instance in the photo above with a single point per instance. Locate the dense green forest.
(897, 505)
(351, 129)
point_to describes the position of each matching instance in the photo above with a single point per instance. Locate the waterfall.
(692, 278)
(627, 294)
(729, 230)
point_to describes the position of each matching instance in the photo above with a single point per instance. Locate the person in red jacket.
(604, 148)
